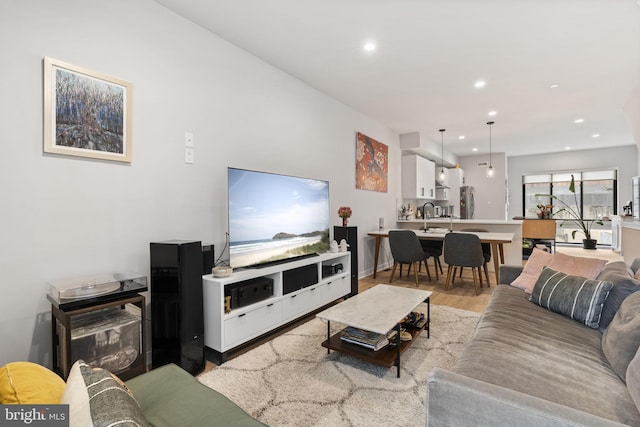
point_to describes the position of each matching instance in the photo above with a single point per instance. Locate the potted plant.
(576, 217)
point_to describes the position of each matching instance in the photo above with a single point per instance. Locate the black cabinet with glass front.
(101, 321)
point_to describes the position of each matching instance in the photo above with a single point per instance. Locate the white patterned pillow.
(98, 398)
(576, 297)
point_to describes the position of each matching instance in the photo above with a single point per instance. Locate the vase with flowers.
(545, 211)
(344, 212)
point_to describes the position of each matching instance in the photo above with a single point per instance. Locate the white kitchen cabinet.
(456, 177)
(442, 194)
(418, 178)
(456, 180)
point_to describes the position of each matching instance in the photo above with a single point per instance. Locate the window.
(595, 196)
(560, 189)
(600, 189)
(535, 184)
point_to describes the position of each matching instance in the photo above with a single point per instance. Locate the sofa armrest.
(509, 273)
(457, 400)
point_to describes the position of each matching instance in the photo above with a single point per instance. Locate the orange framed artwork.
(371, 164)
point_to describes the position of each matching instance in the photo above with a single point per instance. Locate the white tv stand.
(225, 331)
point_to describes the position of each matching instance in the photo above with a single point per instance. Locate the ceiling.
(430, 53)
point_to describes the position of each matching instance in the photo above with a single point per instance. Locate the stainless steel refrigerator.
(467, 202)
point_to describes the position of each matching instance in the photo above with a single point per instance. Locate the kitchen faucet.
(425, 214)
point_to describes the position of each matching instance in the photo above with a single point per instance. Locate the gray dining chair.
(463, 250)
(486, 252)
(434, 249)
(406, 249)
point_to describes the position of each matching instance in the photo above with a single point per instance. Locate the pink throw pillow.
(588, 268)
(532, 269)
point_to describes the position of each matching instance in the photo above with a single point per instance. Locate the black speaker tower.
(177, 315)
(350, 234)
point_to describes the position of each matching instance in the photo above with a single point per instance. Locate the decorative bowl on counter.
(222, 271)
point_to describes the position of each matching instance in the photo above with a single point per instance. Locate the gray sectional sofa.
(529, 366)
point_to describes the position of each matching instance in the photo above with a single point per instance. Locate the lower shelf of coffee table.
(386, 356)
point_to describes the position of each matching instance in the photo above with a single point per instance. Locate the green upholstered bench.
(170, 396)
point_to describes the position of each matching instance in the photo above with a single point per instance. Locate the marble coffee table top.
(378, 309)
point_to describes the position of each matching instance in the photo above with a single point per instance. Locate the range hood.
(416, 143)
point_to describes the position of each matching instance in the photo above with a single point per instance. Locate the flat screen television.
(274, 218)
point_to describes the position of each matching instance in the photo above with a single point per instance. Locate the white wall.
(64, 217)
(624, 159)
(632, 113)
(489, 192)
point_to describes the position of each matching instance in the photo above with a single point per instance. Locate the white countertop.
(439, 233)
(630, 223)
(462, 221)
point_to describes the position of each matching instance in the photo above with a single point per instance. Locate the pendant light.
(490, 172)
(442, 131)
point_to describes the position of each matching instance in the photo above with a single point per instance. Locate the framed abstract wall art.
(371, 164)
(86, 114)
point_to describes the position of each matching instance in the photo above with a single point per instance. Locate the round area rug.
(292, 381)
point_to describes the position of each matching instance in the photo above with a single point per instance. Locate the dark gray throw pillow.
(621, 340)
(624, 285)
(576, 297)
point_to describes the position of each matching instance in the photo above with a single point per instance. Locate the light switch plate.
(188, 155)
(188, 139)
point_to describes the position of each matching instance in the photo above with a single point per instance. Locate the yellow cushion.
(29, 383)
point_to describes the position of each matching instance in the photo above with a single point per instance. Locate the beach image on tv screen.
(275, 217)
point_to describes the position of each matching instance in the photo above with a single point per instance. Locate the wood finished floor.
(461, 294)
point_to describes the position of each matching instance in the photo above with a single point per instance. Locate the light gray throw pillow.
(624, 285)
(621, 340)
(576, 297)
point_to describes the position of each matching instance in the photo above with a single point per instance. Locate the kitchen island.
(630, 238)
(512, 251)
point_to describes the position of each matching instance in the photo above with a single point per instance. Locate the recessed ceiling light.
(595, 135)
(474, 149)
(370, 46)
(554, 85)
(578, 121)
(493, 113)
(461, 137)
(567, 148)
(480, 84)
